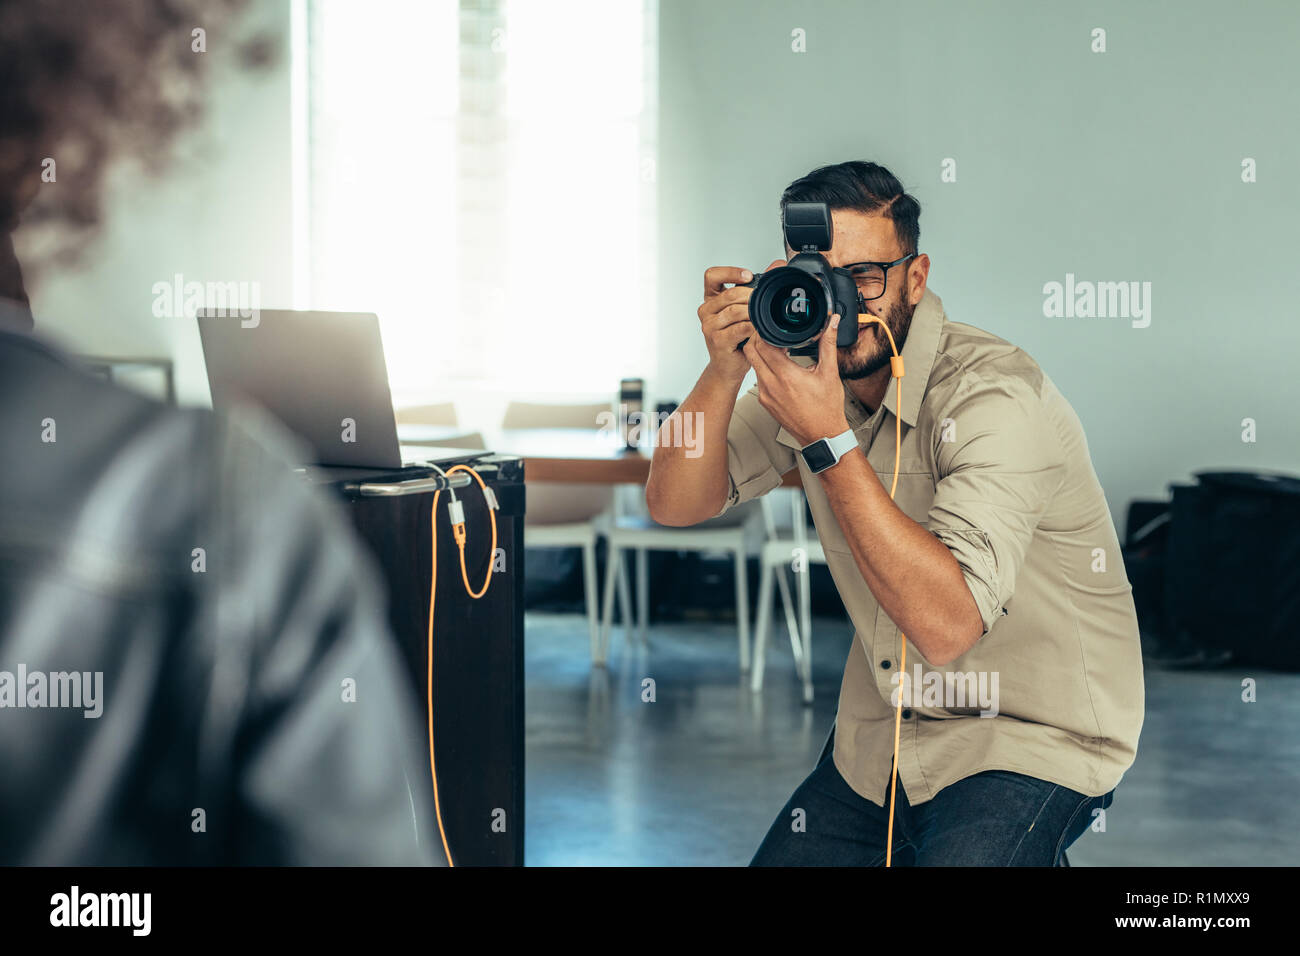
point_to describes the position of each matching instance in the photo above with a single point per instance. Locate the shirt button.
(907, 715)
(885, 664)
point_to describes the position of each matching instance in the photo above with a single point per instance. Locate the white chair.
(779, 554)
(443, 413)
(727, 533)
(444, 416)
(471, 440)
(561, 515)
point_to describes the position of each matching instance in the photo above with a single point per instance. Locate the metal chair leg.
(642, 593)
(742, 608)
(589, 592)
(805, 631)
(612, 564)
(791, 623)
(625, 600)
(761, 627)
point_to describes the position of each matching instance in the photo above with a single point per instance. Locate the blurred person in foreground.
(161, 704)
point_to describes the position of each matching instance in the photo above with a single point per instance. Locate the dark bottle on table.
(631, 397)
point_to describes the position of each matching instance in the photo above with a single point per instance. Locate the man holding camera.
(996, 496)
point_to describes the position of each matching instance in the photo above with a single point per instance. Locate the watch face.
(818, 456)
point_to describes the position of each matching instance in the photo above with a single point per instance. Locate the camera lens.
(795, 309)
(788, 307)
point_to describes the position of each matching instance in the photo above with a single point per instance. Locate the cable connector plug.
(456, 512)
(490, 497)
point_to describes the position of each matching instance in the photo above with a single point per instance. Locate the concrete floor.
(696, 777)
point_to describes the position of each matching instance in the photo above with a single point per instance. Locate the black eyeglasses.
(870, 276)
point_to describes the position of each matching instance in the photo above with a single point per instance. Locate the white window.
(481, 174)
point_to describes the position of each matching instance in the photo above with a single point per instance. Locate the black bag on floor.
(1146, 543)
(1233, 567)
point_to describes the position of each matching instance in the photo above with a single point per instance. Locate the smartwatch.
(825, 452)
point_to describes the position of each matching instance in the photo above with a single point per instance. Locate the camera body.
(791, 304)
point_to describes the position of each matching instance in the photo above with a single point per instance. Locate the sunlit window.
(481, 175)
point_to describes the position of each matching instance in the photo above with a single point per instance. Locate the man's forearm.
(688, 474)
(912, 574)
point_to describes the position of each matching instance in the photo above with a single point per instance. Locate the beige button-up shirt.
(993, 462)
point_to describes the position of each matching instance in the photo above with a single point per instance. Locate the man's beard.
(899, 318)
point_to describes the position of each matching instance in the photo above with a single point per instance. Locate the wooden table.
(569, 455)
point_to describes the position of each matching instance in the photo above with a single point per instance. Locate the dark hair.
(89, 83)
(865, 187)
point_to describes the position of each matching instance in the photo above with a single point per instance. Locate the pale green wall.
(1123, 165)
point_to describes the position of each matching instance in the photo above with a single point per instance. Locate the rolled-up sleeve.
(1000, 463)
(755, 459)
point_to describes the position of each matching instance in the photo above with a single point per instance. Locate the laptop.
(323, 376)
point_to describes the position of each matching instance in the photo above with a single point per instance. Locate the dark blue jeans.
(994, 818)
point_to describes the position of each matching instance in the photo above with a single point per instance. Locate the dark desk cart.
(478, 645)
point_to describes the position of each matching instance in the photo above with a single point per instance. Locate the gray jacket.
(194, 662)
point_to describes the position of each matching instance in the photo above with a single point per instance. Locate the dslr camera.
(791, 304)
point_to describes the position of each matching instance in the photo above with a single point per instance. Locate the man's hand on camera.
(724, 320)
(807, 402)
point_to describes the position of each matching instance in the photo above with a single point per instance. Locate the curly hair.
(89, 82)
